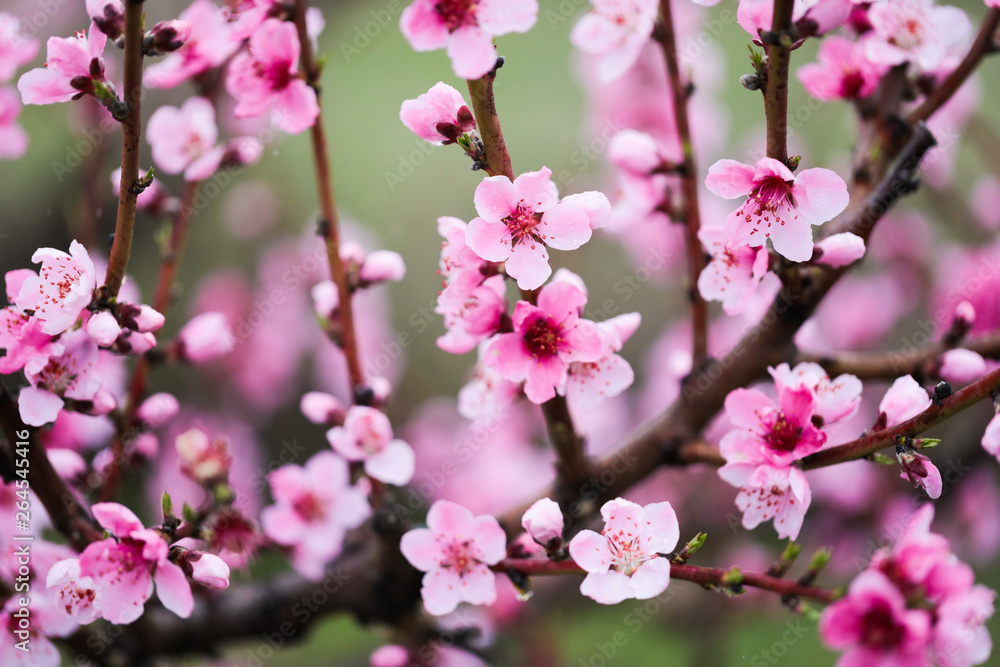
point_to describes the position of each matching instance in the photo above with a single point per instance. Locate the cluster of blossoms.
(916, 604)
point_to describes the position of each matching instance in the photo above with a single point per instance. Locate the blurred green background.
(541, 104)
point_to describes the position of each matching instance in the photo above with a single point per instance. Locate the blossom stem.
(121, 248)
(68, 516)
(779, 56)
(890, 365)
(689, 185)
(328, 207)
(938, 412)
(709, 577)
(984, 43)
(488, 122)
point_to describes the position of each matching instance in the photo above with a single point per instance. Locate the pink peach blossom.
(322, 408)
(544, 522)
(74, 66)
(203, 459)
(15, 48)
(780, 205)
(470, 314)
(588, 383)
(20, 334)
(616, 30)
(465, 28)
(772, 492)
(961, 366)
(209, 45)
(367, 436)
(487, 395)
(13, 138)
(733, 273)
(439, 116)
(265, 78)
(184, 139)
(123, 568)
(836, 399)
(960, 635)
(390, 655)
(904, 400)
(917, 31)
(840, 250)
(455, 550)
(314, 508)
(206, 337)
(842, 73)
(810, 17)
(874, 626)
(919, 471)
(547, 338)
(518, 221)
(62, 290)
(69, 373)
(624, 561)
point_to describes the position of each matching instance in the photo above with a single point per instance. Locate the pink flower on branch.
(367, 436)
(314, 508)
(518, 221)
(915, 31)
(842, 73)
(439, 116)
(547, 338)
(13, 139)
(616, 30)
(919, 471)
(590, 382)
(208, 45)
(69, 372)
(780, 205)
(21, 335)
(62, 290)
(835, 399)
(904, 400)
(184, 139)
(455, 550)
(465, 28)
(265, 78)
(733, 273)
(624, 560)
(74, 67)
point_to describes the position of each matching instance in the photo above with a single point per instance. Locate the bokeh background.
(391, 187)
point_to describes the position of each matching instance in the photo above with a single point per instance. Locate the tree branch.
(121, 248)
(779, 57)
(689, 185)
(488, 122)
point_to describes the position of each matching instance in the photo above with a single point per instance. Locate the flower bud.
(961, 366)
(206, 337)
(108, 16)
(103, 328)
(544, 522)
(321, 408)
(202, 459)
(157, 409)
(840, 249)
(207, 569)
(166, 36)
(382, 266)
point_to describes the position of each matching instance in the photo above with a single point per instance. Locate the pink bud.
(157, 409)
(919, 471)
(326, 300)
(133, 342)
(209, 570)
(635, 152)
(103, 328)
(840, 249)
(544, 522)
(351, 252)
(383, 266)
(321, 408)
(167, 36)
(146, 445)
(206, 337)
(381, 388)
(439, 116)
(68, 464)
(966, 312)
(960, 366)
(108, 16)
(148, 319)
(103, 403)
(242, 151)
(391, 655)
(202, 459)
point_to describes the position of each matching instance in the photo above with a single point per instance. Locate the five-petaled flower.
(780, 205)
(62, 290)
(367, 436)
(455, 550)
(623, 561)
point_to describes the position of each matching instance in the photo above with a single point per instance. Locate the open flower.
(842, 73)
(62, 290)
(265, 77)
(519, 221)
(455, 550)
(547, 338)
(184, 139)
(623, 561)
(917, 31)
(74, 66)
(780, 205)
(367, 436)
(733, 273)
(616, 30)
(465, 28)
(69, 373)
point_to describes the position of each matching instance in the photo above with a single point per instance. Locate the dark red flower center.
(879, 627)
(784, 435)
(543, 338)
(521, 224)
(457, 13)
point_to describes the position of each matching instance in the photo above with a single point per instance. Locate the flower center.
(457, 13)
(851, 84)
(784, 435)
(543, 338)
(625, 551)
(64, 277)
(57, 374)
(463, 557)
(879, 628)
(772, 193)
(277, 74)
(310, 508)
(521, 224)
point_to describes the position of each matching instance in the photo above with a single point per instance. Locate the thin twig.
(121, 248)
(331, 222)
(689, 185)
(779, 56)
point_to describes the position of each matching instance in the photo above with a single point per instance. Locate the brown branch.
(938, 412)
(488, 123)
(709, 577)
(331, 224)
(68, 516)
(890, 365)
(689, 186)
(121, 248)
(983, 45)
(779, 57)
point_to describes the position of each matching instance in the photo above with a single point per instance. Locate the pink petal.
(730, 179)
(495, 198)
(659, 528)
(448, 518)
(116, 519)
(499, 17)
(565, 227)
(441, 591)
(607, 588)
(471, 51)
(173, 589)
(841, 249)
(529, 265)
(506, 355)
(38, 407)
(295, 109)
(745, 407)
(422, 26)
(393, 465)
(590, 551)
(535, 191)
(650, 579)
(820, 195)
(490, 538)
(421, 547)
(793, 241)
(544, 378)
(489, 240)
